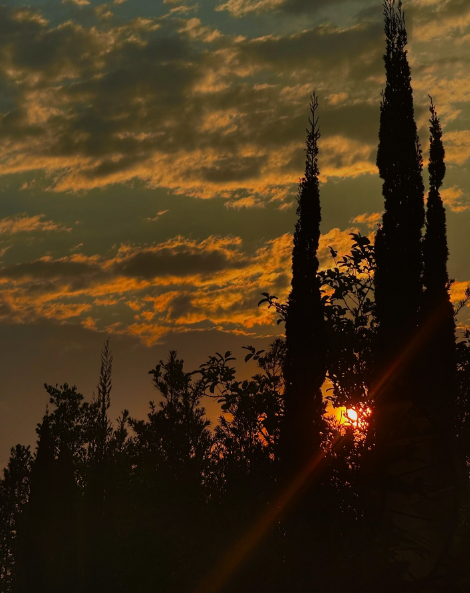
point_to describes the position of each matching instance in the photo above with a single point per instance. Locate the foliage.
(350, 314)
(175, 435)
(246, 439)
(14, 494)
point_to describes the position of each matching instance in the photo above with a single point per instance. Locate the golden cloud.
(22, 223)
(455, 199)
(458, 290)
(178, 285)
(443, 26)
(240, 8)
(458, 146)
(370, 220)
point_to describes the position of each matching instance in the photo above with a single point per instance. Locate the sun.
(352, 415)
(356, 418)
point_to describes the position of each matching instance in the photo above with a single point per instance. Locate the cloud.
(455, 199)
(370, 220)
(78, 2)
(180, 258)
(194, 28)
(248, 202)
(179, 285)
(457, 146)
(339, 240)
(441, 20)
(458, 290)
(173, 102)
(22, 223)
(158, 216)
(240, 8)
(47, 268)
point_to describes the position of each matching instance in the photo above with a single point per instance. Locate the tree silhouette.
(304, 428)
(398, 283)
(171, 454)
(36, 558)
(305, 363)
(439, 374)
(411, 481)
(64, 528)
(98, 470)
(350, 320)
(14, 493)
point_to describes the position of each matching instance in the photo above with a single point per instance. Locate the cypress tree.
(408, 490)
(398, 243)
(398, 294)
(440, 356)
(305, 365)
(399, 159)
(304, 373)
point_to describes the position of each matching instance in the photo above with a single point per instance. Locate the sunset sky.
(149, 157)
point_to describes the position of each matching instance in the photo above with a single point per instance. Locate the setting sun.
(352, 415)
(356, 418)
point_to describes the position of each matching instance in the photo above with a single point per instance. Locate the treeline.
(278, 496)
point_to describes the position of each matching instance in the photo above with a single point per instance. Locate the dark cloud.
(112, 98)
(49, 269)
(325, 46)
(304, 6)
(228, 169)
(167, 262)
(180, 306)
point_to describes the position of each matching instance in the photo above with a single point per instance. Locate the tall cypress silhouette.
(399, 159)
(411, 482)
(398, 243)
(440, 356)
(304, 372)
(305, 364)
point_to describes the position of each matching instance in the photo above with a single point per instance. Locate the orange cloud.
(240, 8)
(339, 240)
(458, 146)
(22, 223)
(442, 26)
(370, 220)
(207, 284)
(457, 291)
(455, 199)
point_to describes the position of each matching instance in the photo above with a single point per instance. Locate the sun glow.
(356, 418)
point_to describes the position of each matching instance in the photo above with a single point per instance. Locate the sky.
(150, 153)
